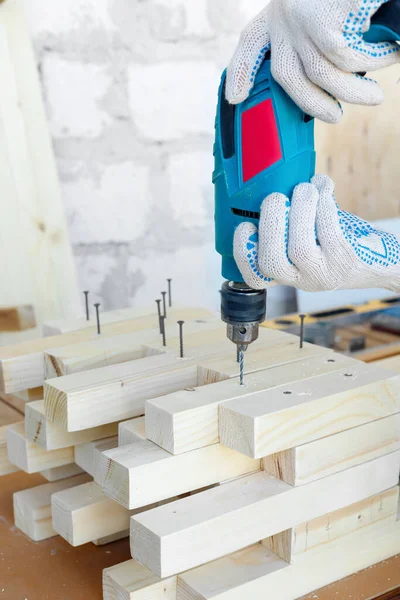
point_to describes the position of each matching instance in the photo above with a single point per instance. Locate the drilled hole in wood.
(287, 393)
(348, 374)
(331, 360)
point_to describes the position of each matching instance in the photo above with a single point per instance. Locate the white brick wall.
(130, 88)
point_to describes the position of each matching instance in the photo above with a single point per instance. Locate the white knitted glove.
(310, 244)
(317, 49)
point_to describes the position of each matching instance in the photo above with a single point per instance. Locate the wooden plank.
(32, 507)
(77, 323)
(83, 514)
(93, 355)
(290, 415)
(132, 581)
(22, 364)
(143, 473)
(323, 457)
(17, 318)
(7, 416)
(109, 539)
(258, 573)
(81, 400)
(51, 437)
(87, 456)
(292, 544)
(391, 364)
(188, 419)
(201, 528)
(30, 457)
(58, 473)
(20, 399)
(34, 236)
(131, 431)
(105, 351)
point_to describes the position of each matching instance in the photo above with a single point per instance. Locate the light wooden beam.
(8, 416)
(61, 326)
(301, 412)
(51, 437)
(22, 364)
(199, 529)
(32, 507)
(105, 351)
(292, 544)
(17, 318)
(188, 419)
(257, 572)
(83, 513)
(253, 572)
(30, 457)
(70, 400)
(87, 456)
(131, 431)
(58, 473)
(328, 455)
(132, 581)
(142, 473)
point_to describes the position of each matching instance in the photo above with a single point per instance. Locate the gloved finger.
(289, 71)
(348, 87)
(254, 43)
(329, 230)
(304, 250)
(273, 243)
(246, 246)
(358, 55)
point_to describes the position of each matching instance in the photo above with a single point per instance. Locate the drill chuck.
(242, 309)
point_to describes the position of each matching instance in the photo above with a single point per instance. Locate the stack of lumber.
(271, 489)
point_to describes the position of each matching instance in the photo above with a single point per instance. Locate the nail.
(164, 340)
(163, 294)
(159, 314)
(87, 305)
(97, 305)
(169, 293)
(302, 318)
(181, 323)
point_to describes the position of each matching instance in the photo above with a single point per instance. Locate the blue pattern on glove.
(356, 231)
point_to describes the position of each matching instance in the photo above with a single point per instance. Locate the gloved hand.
(310, 244)
(317, 49)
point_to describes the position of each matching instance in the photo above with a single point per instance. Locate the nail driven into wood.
(87, 305)
(169, 293)
(302, 318)
(163, 294)
(97, 306)
(164, 340)
(158, 302)
(181, 323)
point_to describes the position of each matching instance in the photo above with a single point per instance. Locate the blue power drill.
(264, 145)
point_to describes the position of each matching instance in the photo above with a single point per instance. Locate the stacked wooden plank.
(276, 487)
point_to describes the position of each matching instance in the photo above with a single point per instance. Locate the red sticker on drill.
(261, 146)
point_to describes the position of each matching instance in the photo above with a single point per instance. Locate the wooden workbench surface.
(53, 569)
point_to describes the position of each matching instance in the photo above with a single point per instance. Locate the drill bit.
(241, 363)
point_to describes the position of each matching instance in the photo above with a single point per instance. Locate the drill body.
(264, 145)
